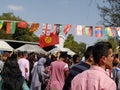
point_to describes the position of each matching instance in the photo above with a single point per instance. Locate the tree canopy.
(78, 48)
(20, 34)
(110, 12)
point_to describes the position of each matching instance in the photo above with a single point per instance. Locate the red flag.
(50, 40)
(34, 27)
(67, 28)
(22, 24)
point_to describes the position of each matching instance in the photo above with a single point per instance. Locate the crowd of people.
(100, 70)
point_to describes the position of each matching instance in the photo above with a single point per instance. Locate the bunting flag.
(1, 24)
(22, 24)
(67, 28)
(46, 28)
(88, 30)
(50, 40)
(79, 30)
(118, 31)
(109, 32)
(34, 27)
(57, 29)
(10, 28)
(98, 31)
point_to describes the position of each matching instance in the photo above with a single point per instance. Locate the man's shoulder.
(81, 65)
(22, 60)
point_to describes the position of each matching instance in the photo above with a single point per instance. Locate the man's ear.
(103, 60)
(91, 58)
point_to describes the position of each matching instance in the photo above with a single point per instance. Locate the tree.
(78, 48)
(113, 42)
(20, 34)
(110, 12)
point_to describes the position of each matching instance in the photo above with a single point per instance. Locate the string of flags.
(59, 29)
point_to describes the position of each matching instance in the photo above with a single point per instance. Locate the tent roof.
(54, 50)
(5, 46)
(30, 48)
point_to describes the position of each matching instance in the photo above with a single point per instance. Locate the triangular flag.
(10, 28)
(88, 30)
(34, 27)
(22, 24)
(57, 28)
(79, 30)
(67, 28)
(1, 24)
(98, 31)
(109, 32)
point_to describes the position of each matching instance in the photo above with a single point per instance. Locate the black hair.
(101, 49)
(75, 56)
(63, 54)
(11, 75)
(88, 52)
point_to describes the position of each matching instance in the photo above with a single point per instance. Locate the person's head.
(25, 54)
(11, 74)
(103, 54)
(20, 54)
(63, 55)
(76, 58)
(89, 55)
(42, 61)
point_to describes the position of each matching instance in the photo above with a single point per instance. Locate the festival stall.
(31, 48)
(55, 50)
(4, 46)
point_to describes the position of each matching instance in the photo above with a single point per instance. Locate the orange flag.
(34, 27)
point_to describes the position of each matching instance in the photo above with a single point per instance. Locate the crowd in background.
(60, 71)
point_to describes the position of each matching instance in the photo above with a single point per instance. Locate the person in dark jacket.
(78, 68)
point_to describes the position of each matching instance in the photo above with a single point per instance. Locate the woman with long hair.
(11, 77)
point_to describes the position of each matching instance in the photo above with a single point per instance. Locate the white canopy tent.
(31, 48)
(5, 46)
(55, 50)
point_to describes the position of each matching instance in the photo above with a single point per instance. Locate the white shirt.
(24, 63)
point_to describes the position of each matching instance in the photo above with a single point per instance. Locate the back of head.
(101, 49)
(11, 74)
(88, 52)
(20, 54)
(42, 61)
(63, 55)
(75, 56)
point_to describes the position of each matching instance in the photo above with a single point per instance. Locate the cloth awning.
(5, 46)
(31, 48)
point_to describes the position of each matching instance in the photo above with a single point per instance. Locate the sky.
(75, 12)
